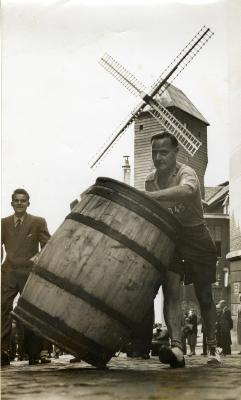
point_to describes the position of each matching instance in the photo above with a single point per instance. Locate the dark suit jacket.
(226, 322)
(19, 249)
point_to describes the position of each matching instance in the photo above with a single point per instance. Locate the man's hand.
(149, 194)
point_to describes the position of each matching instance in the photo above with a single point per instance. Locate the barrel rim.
(135, 206)
(151, 204)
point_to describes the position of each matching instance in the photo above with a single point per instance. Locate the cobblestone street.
(125, 378)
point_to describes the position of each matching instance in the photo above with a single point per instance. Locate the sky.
(59, 105)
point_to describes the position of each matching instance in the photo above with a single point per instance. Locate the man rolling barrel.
(176, 186)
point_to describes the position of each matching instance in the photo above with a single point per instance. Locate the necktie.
(18, 226)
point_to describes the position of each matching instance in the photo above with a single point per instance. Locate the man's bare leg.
(173, 317)
(208, 313)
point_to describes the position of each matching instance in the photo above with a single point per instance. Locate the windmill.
(186, 139)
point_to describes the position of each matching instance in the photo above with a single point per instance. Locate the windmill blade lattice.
(188, 141)
(122, 75)
(181, 61)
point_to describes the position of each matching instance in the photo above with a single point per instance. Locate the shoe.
(145, 356)
(173, 356)
(134, 354)
(4, 359)
(45, 360)
(75, 360)
(33, 361)
(213, 357)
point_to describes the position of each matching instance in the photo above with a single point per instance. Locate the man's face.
(163, 155)
(20, 204)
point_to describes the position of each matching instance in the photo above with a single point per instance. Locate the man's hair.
(163, 135)
(20, 191)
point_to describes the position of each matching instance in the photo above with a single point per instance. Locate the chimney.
(126, 170)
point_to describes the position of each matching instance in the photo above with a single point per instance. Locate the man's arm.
(44, 234)
(175, 194)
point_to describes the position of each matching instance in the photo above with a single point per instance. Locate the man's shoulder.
(181, 168)
(36, 219)
(7, 220)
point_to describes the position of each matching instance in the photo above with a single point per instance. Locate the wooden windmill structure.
(145, 126)
(152, 101)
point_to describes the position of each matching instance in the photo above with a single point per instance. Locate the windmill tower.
(146, 126)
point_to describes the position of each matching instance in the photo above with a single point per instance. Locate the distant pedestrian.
(217, 326)
(226, 324)
(185, 330)
(204, 353)
(192, 333)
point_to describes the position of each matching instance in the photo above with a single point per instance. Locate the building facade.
(234, 256)
(216, 213)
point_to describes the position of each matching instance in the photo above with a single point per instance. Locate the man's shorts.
(195, 257)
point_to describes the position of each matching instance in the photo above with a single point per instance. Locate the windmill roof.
(174, 97)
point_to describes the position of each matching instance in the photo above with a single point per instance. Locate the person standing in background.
(192, 333)
(226, 324)
(22, 237)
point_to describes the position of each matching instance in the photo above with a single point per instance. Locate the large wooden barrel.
(98, 275)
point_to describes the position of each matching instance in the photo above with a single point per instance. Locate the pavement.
(125, 378)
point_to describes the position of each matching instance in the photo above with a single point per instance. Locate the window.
(141, 128)
(218, 240)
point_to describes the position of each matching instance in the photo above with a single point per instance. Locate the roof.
(210, 191)
(174, 97)
(214, 194)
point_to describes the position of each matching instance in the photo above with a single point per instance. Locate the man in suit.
(22, 237)
(226, 324)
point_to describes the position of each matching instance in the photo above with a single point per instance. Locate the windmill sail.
(181, 61)
(160, 113)
(190, 143)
